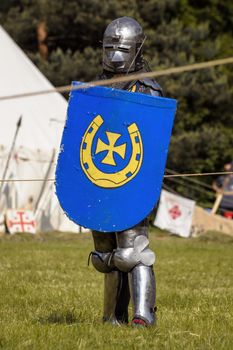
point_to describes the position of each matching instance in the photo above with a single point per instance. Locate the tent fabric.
(43, 119)
(43, 115)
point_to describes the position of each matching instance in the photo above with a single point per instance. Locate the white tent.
(37, 141)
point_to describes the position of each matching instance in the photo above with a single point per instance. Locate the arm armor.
(150, 87)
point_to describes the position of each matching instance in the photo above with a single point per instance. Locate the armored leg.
(116, 297)
(121, 310)
(133, 255)
(116, 288)
(142, 284)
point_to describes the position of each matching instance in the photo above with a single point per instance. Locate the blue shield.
(112, 159)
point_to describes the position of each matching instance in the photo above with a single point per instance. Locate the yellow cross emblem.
(111, 148)
(115, 178)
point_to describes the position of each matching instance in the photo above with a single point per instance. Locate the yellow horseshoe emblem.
(115, 179)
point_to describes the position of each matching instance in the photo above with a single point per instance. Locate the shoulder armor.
(152, 84)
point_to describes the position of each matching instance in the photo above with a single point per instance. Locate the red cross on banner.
(20, 221)
(175, 212)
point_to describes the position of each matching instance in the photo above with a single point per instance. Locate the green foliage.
(178, 32)
(58, 67)
(208, 143)
(197, 152)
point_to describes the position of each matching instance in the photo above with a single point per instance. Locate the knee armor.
(102, 262)
(125, 259)
(104, 246)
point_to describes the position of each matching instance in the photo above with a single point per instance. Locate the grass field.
(50, 299)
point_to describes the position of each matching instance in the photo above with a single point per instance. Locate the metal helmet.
(122, 43)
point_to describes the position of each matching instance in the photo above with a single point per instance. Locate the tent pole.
(217, 203)
(45, 181)
(11, 151)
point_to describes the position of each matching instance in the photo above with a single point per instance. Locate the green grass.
(50, 299)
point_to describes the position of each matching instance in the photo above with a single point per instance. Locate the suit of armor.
(125, 257)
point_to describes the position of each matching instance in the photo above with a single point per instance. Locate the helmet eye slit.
(108, 46)
(124, 49)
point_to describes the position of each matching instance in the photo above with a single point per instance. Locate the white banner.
(20, 221)
(175, 214)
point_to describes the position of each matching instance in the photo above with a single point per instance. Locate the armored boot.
(116, 286)
(116, 298)
(123, 299)
(143, 294)
(134, 256)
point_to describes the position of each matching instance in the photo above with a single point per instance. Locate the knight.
(124, 257)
